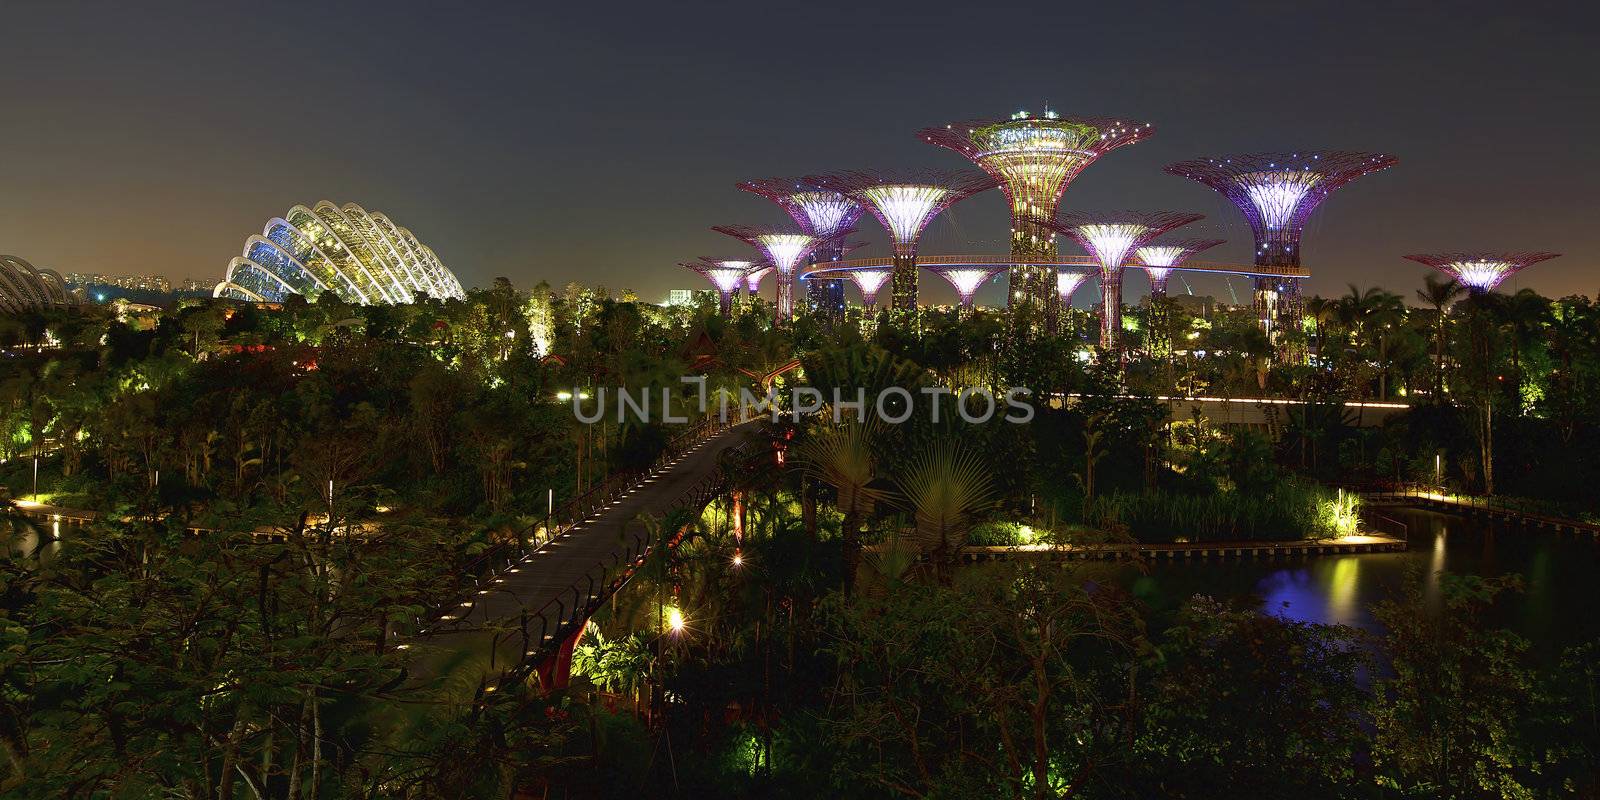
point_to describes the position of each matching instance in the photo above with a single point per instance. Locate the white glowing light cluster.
(869, 281)
(826, 213)
(786, 249)
(1483, 275)
(1481, 272)
(1112, 242)
(906, 209)
(1067, 283)
(726, 279)
(1155, 256)
(967, 280)
(1277, 195)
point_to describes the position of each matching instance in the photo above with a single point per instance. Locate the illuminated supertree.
(905, 203)
(725, 274)
(1481, 272)
(1034, 159)
(752, 279)
(829, 215)
(1068, 279)
(966, 279)
(1111, 238)
(785, 249)
(1159, 260)
(869, 281)
(1277, 193)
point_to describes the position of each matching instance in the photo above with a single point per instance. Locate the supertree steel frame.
(825, 213)
(1481, 272)
(905, 202)
(752, 278)
(1034, 159)
(1111, 238)
(727, 275)
(966, 280)
(1277, 193)
(1159, 260)
(785, 249)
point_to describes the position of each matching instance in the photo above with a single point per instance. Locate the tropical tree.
(842, 456)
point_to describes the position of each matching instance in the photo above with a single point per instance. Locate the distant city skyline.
(600, 144)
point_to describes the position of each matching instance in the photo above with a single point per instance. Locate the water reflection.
(1558, 572)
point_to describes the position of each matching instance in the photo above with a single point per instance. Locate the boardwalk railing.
(1510, 509)
(542, 630)
(600, 580)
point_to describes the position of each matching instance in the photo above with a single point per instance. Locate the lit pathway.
(566, 562)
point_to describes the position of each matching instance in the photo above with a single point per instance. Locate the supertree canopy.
(825, 213)
(752, 278)
(1111, 238)
(1034, 159)
(1159, 260)
(785, 249)
(725, 274)
(869, 281)
(967, 279)
(1278, 191)
(1481, 272)
(905, 203)
(1067, 282)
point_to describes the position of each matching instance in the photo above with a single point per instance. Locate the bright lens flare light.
(906, 209)
(675, 620)
(1277, 195)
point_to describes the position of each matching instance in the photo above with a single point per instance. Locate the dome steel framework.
(362, 257)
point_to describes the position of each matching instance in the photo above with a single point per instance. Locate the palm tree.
(1439, 293)
(945, 487)
(841, 456)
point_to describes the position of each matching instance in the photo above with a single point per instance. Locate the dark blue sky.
(598, 141)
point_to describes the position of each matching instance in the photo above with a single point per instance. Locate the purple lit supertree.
(752, 279)
(829, 215)
(1159, 260)
(1111, 238)
(1068, 279)
(1277, 193)
(785, 249)
(869, 281)
(966, 279)
(1034, 159)
(725, 274)
(905, 202)
(1481, 272)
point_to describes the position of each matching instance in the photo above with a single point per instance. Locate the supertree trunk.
(903, 284)
(1110, 308)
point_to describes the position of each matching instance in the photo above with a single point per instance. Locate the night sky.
(598, 141)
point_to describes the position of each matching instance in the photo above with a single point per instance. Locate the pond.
(1556, 608)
